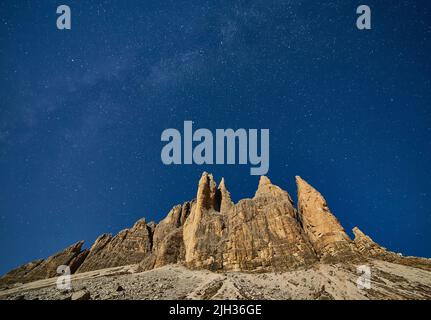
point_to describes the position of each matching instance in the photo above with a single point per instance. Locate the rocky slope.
(319, 282)
(263, 234)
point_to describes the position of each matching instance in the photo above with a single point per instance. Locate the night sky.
(82, 111)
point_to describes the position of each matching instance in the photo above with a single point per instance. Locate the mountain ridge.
(265, 233)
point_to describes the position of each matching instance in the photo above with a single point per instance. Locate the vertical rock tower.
(329, 240)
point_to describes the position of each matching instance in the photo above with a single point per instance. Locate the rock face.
(367, 247)
(329, 240)
(258, 234)
(262, 234)
(168, 244)
(204, 229)
(224, 197)
(41, 269)
(127, 247)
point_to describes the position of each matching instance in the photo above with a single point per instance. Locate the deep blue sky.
(81, 112)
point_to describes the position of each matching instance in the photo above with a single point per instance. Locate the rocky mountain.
(264, 234)
(320, 281)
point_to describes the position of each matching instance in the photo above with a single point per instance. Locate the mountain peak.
(222, 184)
(264, 180)
(268, 190)
(224, 198)
(325, 232)
(206, 194)
(262, 234)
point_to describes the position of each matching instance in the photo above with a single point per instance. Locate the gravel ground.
(388, 281)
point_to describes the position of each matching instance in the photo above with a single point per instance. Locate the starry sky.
(82, 111)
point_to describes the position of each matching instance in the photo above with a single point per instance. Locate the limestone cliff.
(168, 244)
(329, 240)
(127, 247)
(205, 227)
(368, 248)
(41, 269)
(261, 234)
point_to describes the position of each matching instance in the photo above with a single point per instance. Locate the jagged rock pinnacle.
(41, 269)
(365, 244)
(222, 184)
(265, 233)
(206, 194)
(264, 180)
(225, 201)
(358, 233)
(204, 221)
(141, 223)
(268, 190)
(324, 231)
